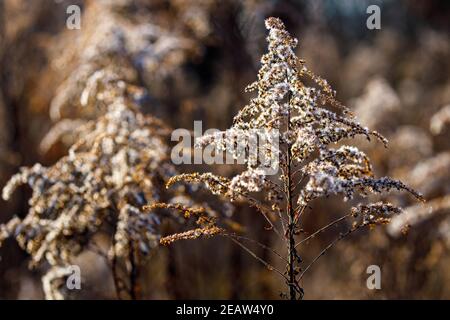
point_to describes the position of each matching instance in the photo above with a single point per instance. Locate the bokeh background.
(395, 79)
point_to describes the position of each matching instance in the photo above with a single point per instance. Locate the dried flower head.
(309, 121)
(118, 165)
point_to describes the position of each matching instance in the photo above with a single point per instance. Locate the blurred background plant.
(192, 58)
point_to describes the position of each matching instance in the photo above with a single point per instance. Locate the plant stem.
(115, 277)
(292, 253)
(134, 289)
(290, 235)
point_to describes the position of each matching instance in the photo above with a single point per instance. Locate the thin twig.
(323, 229)
(266, 264)
(237, 237)
(117, 282)
(133, 275)
(331, 244)
(95, 249)
(297, 171)
(259, 206)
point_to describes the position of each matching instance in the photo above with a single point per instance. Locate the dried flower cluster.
(375, 213)
(381, 97)
(117, 162)
(117, 166)
(416, 239)
(310, 168)
(114, 48)
(432, 177)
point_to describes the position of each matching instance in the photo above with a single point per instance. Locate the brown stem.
(116, 280)
(292, 251)
(291, 239)
(134, 272)
(115, 276)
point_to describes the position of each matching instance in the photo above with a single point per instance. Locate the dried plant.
(379, 96)
(431, 177)
(113, 46)
(416, 242)
(117, 166)
(309, 121)
(117, 161)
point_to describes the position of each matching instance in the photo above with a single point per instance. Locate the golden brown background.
(395, 79)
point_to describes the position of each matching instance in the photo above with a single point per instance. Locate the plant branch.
(329, 246)
(237, 237)
(266, 264)
(323, 229)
